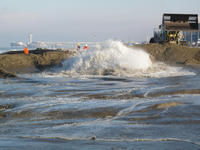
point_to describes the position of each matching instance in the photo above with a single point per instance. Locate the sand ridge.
(36, 60)
(40, 59)
(172, 53)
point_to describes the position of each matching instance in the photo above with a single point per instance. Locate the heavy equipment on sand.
(172, 27)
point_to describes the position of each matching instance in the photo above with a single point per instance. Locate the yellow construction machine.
(172, 27)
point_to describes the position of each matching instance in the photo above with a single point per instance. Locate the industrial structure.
(39, 44)
(172, 27)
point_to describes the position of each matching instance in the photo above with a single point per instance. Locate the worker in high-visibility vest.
(26, 51)
(86, 47)
(78, 46)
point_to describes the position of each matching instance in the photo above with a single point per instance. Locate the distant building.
(30, 44)
(30, 38)
(17, 44)
(37, 44)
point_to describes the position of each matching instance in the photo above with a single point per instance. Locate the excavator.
(172, 27)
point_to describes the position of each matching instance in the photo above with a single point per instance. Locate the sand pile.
(20, 62)
(172, 53)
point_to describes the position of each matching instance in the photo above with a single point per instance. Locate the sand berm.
(37, 60)
(12, 63)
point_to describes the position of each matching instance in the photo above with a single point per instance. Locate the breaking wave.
(118, 60)
(115, 59)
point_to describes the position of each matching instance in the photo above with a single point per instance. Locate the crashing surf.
(116, 59)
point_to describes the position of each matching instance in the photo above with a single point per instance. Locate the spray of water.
(114, 59)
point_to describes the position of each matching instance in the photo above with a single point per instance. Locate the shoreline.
(37, 60)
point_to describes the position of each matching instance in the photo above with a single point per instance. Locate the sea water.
(5, 49)
(102, 99)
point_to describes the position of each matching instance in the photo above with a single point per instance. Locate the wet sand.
(64, 114)
(5, 74)
(158, 93)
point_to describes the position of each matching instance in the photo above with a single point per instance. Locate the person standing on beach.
(78, 47)
(26, 51)
(86, 47)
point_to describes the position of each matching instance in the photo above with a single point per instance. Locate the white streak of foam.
(112, 140)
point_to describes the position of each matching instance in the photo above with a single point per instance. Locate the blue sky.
(80, 20)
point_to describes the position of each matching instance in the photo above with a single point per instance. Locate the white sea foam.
(118, 60)
(3, 51)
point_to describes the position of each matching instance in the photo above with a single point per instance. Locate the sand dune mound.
(35, 61)
(172, 53)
